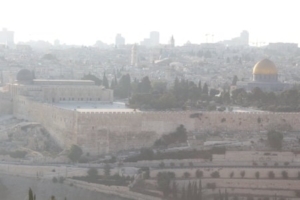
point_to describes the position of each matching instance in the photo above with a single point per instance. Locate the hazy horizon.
(85, 22)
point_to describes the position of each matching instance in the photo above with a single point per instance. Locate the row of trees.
(286, 101)
(148, 154)
(145, 93)
(156, 95)
(216, 174)
(32, 196)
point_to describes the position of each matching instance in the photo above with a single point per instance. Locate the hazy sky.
(84, 22)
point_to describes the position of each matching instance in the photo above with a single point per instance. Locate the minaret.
(172, 42)
(134, 55)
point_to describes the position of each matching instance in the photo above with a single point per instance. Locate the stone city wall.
(60, 123)
(103, 132)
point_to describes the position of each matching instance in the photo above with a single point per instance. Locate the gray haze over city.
(84, 22)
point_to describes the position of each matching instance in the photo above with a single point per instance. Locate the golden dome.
(265, 66)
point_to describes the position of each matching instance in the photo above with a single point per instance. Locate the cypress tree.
(200, 87)
(195, 191)
(220, 195)
(112, 84)
(200, 190)
(226, 194)
(205, 89)
(30, 194)
(174, 190)
(105, 81)
(189, 194)
(183, 195)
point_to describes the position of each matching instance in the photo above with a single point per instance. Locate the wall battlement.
(103, 132)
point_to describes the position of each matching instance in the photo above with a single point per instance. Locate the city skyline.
(84, 24)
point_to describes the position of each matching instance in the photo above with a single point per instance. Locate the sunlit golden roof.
(265, 66)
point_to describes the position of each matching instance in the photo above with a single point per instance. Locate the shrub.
(92, 172)
(215, 174)
(61, 179)
(275, 139)
(257, 174)
(271, 175)
(186, 175)
(162, 165)
(75, 153)
(211, 186)
(54, 179)
(242, 174)
(258, 120)
(284, 175)
(199, 173)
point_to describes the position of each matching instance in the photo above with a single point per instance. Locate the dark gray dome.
(24, 75)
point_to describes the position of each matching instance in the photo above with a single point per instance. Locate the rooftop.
(95, 107)
(62, 82)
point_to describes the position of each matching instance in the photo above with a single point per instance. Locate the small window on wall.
(72, 99)
(90, 99)
(81, 99)
(98, 99)
(63, 99)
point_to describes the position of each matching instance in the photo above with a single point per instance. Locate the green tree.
(145, 85)
(284, 175)
(234, 80)
(215, 174)
(75, 153)
(146, 154)
(186, 175)
(242, 174)
(92, 173)
(205, 89)
(271, 175)
(92, 78)
(162, 164)
(31, 196)
(107, 169)
(183, 195)
(275, 139)
(200, 195)
(163, 182)
(199, 173)
(123, 88)
(105, 81)
(189, 194)
(174, 189)
(257, 175)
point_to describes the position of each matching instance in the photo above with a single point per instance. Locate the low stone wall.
(114, 190)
